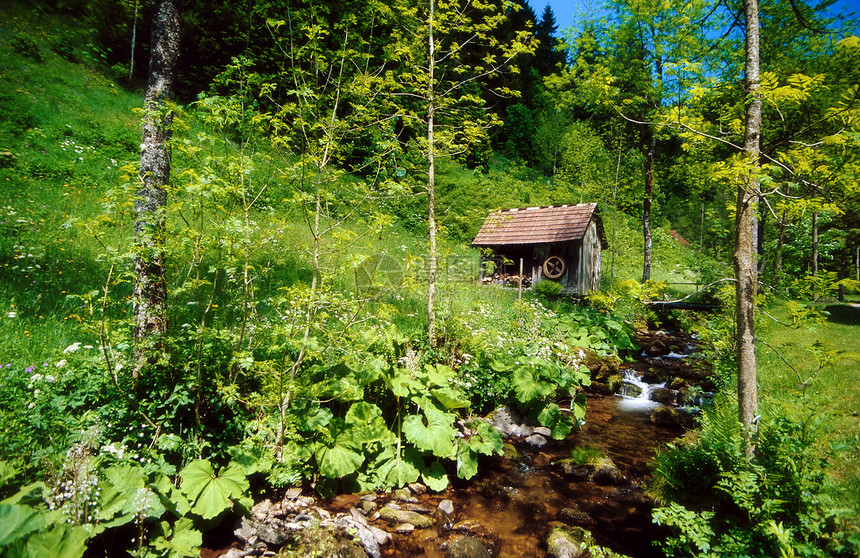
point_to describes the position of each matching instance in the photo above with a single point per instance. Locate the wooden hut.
(560, 243)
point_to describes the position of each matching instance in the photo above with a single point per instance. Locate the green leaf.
(501, 365)
(467, 461)
(435, 477)
(212, 494)
(402, 384)
(255, 459)
(399, 470)
(527, 388)
(552, 417)
(180, 540)
(17, 522)
(172, 498)
(62, 541)
(33, 493)
(486, 440)
(125, 477)
(366, 423)
(437, 376)
(436, 435)
(338, 460)
(450, 398)
(310, 416)
(577, 406)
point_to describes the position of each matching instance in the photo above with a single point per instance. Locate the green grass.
(810, 373)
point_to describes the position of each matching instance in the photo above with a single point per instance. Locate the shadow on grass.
(847, 314)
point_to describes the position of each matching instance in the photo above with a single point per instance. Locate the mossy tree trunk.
(150, 288)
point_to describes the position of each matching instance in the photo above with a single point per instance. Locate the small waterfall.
(635, 393)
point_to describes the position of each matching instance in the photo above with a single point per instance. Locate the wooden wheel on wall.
(553, 267)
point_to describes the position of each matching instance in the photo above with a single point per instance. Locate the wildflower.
(61, 363)
(29, 369)
(11, 314)
(72, 348)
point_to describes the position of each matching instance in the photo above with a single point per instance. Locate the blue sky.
(567, 12)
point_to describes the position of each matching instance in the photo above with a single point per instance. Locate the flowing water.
(514, 503)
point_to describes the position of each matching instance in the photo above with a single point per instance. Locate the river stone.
(510, 451)
(536, 441)
(252, 531)
(654, 376)
(366, 507)
(404, 495)
(664, 395)
(324, 541)
(600, 388)
(404, 516)
(572, 515)
(672, 418)
(564, 543)
(417, 488)
(404, 528)
(416, 508)
(543, 431)
(677, 383)
(355, 523)
(658, 348)
(264, 509)
(509, 423)
(601, 471)
(467, 547)
(446, 507)
(293, 493)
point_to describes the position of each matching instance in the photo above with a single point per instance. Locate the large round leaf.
(431, 431)
(212, 494)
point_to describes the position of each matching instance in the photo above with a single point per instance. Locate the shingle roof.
(538, 225)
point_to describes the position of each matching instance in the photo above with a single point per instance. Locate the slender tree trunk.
(431, 185)
(150, 289)
(646, 206)
(133, 43)
(815, 244)
(780, 243)
(744, 256)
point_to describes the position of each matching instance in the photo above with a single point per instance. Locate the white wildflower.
(72, 348)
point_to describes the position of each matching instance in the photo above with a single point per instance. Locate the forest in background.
(296, 248)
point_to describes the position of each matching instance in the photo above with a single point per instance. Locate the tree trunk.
(150, 289)
(783, 226)
(744, 256)
(431, 185)
(815, 244)
(646, 205)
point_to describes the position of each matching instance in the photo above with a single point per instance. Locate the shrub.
(25, 46)
(547, 289)
(719, 503)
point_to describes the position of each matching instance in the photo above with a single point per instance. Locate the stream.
(514, 502)
(517, 499)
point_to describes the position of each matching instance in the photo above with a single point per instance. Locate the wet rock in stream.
(467, 547)
(601, 471)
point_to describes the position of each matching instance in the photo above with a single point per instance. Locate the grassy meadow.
(240, 275)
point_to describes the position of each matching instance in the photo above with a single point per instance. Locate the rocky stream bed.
(533, 501)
